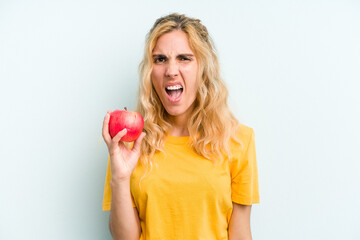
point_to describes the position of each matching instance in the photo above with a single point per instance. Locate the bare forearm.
(124, 221)
(239, 226)
(241, 234)
(240, 238)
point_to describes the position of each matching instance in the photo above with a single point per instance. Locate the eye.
(159, 60)
(185, 59)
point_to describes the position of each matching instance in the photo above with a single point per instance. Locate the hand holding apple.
(132, 121)
(123, 160)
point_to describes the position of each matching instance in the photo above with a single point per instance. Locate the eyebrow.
(186, 55)
(158, 55)
(181, 54)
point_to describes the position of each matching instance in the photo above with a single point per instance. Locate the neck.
(180, 123)
(179, 126)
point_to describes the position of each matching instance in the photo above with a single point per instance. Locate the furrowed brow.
(186, 55)
(159, 55)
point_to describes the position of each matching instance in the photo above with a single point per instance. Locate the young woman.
(192, 173)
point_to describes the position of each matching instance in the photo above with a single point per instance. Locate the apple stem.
(125, 108)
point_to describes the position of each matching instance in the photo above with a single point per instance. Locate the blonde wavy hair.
(211, 125)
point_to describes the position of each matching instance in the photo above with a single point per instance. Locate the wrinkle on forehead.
(172, 44)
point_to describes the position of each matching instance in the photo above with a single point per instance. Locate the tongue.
(174, 93)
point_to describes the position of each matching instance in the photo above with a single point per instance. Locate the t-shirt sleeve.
(244, 172)
(106, 205)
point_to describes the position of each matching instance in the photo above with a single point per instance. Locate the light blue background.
(293, 71)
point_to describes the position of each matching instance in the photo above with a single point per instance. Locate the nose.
(172, 70)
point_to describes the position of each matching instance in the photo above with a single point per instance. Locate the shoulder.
(244, 132)
(243, 137)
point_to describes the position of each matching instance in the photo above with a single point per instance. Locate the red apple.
(132, 121)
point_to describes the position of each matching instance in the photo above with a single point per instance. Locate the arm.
(239, 226)
(124, 220)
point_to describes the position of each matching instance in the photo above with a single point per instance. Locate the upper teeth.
(174, 87)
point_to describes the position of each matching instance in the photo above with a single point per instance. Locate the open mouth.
(174, 93)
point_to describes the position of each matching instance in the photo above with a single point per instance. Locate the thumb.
(119, 135)
(137, 143)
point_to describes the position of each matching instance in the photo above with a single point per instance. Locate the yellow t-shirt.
(186, 196)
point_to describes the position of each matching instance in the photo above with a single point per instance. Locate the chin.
(176, 111)
(179, 109)
(173, 112)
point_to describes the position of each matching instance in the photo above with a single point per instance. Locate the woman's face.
(174, 73)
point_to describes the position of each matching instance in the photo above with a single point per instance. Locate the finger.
(137, 143)
(119, 135)
(105, 128)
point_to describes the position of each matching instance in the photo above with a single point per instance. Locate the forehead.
(173, 42)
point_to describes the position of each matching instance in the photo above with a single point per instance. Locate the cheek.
(191, 74)
(157, 86)
(191, 71)
(156, 75)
